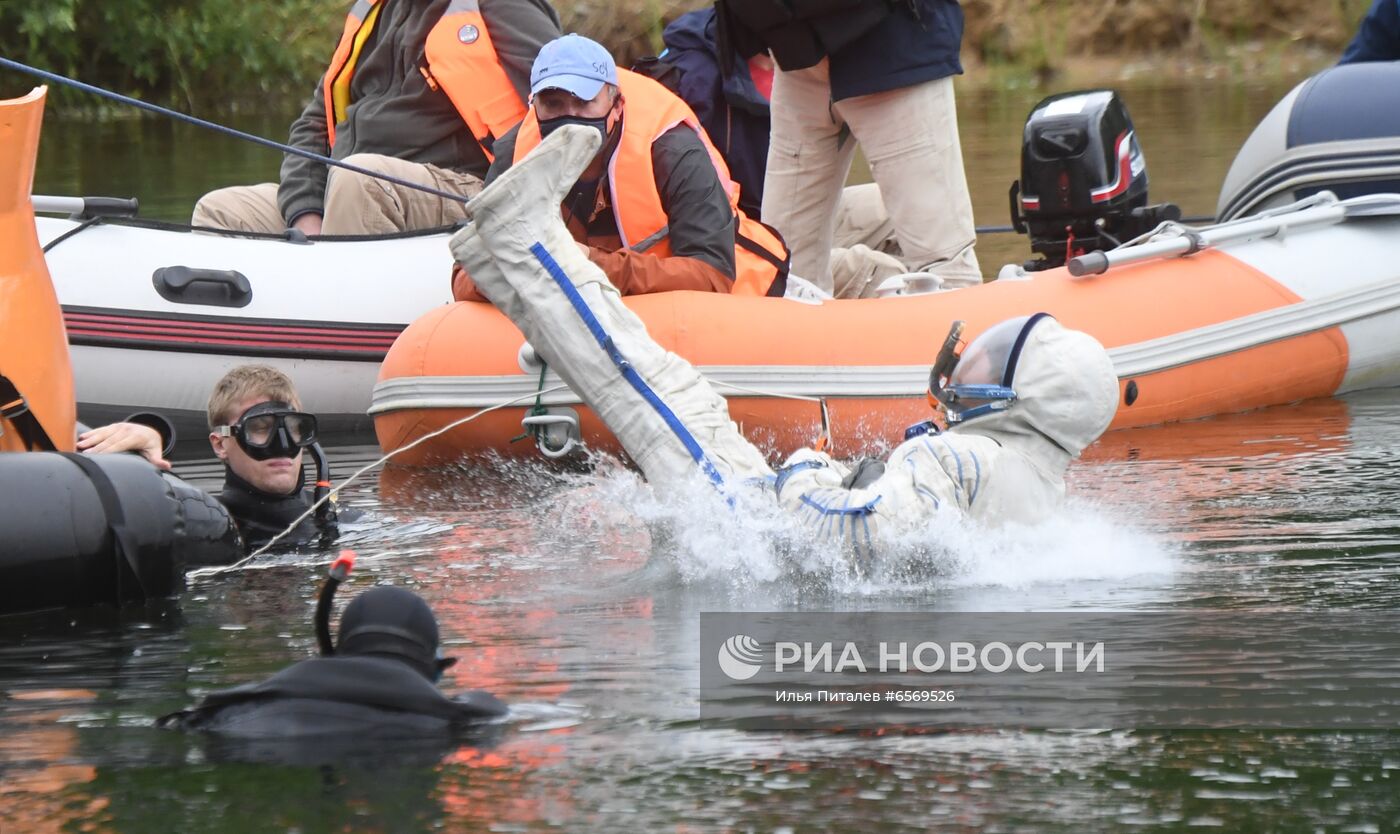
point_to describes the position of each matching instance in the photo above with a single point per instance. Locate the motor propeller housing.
(1083, 179)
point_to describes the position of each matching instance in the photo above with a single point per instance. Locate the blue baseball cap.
(574, 64)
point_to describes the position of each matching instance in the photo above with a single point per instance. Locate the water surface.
(556, 597)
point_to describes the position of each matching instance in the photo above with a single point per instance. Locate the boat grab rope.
(246, 561)
(86, 224)
(536, 410)
(225, 130)
(290, 235)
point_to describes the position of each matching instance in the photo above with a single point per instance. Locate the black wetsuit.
(261, 515)
(375, 693)
(358, 696)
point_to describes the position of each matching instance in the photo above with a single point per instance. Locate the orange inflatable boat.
(1296, 295)
(1302, 303)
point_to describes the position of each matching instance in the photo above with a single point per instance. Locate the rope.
(86, 224)
(331, 496)
(823, 439)
(761, 393)
(227, 131)
(168, 226)
(538, 408)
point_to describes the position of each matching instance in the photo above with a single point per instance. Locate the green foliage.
(199, 55)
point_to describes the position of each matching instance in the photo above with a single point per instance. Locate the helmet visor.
(984, 361)
(981, 380)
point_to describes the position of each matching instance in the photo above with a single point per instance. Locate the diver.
(257, 428)
(378, 680)
(1022, 400)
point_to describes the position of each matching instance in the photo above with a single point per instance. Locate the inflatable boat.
(155, 315)
(75, 529)
(1290, 299)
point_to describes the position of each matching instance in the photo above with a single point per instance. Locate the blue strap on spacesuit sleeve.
(788, 471)
(624, 367)
(825, 510)
(852, 523)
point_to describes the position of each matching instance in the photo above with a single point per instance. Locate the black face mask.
(272, 430)
(548, 126)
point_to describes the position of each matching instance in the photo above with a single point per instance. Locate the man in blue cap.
(656, 208)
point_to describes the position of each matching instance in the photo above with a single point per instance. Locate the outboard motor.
(1338, 131)
(1083, 179)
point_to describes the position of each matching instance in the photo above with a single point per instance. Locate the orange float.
(37, 406)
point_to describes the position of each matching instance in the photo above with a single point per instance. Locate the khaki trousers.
(910, 137)
(355, 204)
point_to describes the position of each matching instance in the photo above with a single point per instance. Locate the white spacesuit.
(1023, 399)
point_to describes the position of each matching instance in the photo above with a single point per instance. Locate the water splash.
(696, 537)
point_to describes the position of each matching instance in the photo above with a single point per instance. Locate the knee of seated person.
(345, 179)
(212, 206)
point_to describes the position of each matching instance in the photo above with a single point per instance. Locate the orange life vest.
(37, 408)
(760, 257)
(461, 61)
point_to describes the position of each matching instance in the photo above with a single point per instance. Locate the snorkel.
(325, 510)
(339, 571)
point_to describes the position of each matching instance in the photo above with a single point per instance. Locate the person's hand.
(124, 437)
(308, 224)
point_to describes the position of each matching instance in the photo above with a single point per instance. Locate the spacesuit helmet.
(980, 380)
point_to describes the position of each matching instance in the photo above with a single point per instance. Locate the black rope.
(227, 131)
(91, 221)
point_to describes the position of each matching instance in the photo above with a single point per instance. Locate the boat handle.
(541, 422)
(211, 287)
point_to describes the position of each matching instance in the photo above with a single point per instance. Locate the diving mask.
(272, 430)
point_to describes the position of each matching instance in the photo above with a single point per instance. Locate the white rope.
(242, 563)
(823, 440)
(762, 393)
